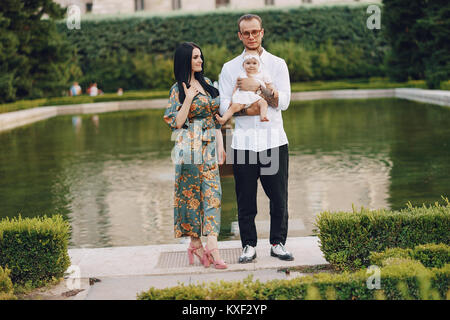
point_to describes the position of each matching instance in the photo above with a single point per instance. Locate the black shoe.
(280, 252)
(248, 254)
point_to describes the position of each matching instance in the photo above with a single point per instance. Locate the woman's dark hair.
(182, 69)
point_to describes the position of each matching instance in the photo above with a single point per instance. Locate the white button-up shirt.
(249, 132)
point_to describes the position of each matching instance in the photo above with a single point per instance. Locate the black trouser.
(275, 185)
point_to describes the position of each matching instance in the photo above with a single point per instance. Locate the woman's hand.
(191, 92)
(222, 155)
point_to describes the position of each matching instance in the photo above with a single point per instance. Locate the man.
(254, 142)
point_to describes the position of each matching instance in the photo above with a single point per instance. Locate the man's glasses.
(254, 33)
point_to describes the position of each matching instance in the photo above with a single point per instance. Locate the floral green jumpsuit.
(198, 193)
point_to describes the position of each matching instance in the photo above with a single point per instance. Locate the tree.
(418, 33)
(35, 60)
(434, 30)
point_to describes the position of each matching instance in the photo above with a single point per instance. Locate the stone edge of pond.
(12, 120)
(144, 260)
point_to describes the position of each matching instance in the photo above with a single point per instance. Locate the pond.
(112, 177)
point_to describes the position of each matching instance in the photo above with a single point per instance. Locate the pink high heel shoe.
(208, 258)
(193, 251)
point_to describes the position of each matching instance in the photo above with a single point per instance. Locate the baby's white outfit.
(249, 97)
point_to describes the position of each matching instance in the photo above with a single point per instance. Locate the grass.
(58, 101)
(310, 269)
(372, 83)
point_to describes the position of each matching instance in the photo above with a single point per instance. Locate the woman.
(192, 107)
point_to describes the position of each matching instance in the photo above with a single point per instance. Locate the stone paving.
(123, 272)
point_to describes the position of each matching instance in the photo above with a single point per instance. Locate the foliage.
(35, 250)
(402, 279)
(430, 255)
(319, 43)
(6, 286)
(347, 238)
(418, 33)
(420, 273)
(35, 59)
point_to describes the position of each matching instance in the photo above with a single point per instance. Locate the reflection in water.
(323, 182)
(114, 182)
(76, 122)
(129, 203)
(121, 203)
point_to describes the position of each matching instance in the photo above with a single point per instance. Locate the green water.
(111, 175)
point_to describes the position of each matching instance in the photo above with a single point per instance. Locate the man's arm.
(269, 96)
(283, 85)
(248, 84)
(252, 110)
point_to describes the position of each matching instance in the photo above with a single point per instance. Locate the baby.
(243, 99)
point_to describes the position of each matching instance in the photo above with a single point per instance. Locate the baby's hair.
(250, 56)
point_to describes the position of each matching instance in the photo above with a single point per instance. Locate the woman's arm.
(220, 149)
(184, 110)
(183, 113)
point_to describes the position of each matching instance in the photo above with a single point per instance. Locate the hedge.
(6, 286)
(347, 238)
(430, 255)
(35, 250)
(136, 51)
(402, 279)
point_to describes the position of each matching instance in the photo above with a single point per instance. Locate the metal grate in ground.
(179, 259)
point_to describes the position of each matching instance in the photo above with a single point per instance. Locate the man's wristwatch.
(259, 90)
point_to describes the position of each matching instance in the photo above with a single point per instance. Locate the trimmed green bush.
(404, 279)
(6, 286)
(35, 250)
(430, 255)
(347, 238)
(380, 258)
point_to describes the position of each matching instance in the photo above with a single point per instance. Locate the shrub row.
(141, 70)
(35, 250)
(136, 52)
(347, 238)
(6, 286)
(430, 255)
(402, 279)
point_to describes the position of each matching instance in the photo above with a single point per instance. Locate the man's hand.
(247, 84)
(253, 110)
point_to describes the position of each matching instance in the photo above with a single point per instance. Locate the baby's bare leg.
(235, 107)
(263, 109)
